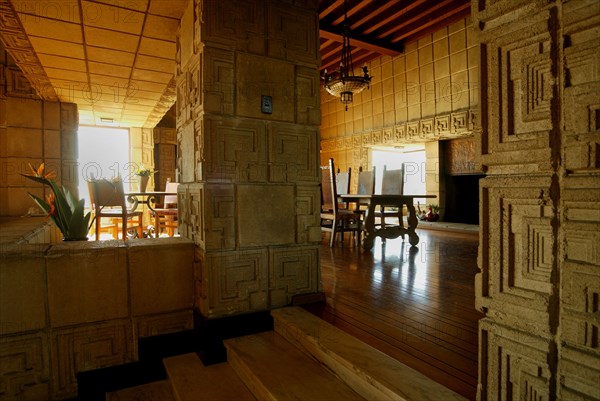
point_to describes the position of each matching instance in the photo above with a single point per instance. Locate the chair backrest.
(393, 181)
(171, 200)
(342, 181)
(105, 193)
(366, 182)
(328, 187)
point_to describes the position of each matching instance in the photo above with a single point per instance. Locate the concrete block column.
(249, 176)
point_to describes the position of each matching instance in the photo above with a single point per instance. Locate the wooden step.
(274, 369)
(370, 372)
(192, 381)
(155, 391)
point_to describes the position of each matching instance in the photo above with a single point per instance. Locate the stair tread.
(351, 358)
(277, 370)
(192, 381)
(155, 391)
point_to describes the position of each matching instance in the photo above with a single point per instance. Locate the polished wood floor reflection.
(414, 304)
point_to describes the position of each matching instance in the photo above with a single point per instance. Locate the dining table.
(146, 198)
(387, 231)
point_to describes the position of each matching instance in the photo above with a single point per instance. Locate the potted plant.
(144, 173)
(61, 205)
(433, 212)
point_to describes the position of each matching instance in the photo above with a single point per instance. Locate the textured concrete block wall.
(539, 282)
(73, 307)
(429, 92)
(32, 131)
(249, 194)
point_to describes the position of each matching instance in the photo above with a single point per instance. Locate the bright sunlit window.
(103, 153)
(414, 168)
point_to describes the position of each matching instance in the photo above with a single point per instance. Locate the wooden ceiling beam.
(363, 42)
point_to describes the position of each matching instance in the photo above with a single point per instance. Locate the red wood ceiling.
(382, 27)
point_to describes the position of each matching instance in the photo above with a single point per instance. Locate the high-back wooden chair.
(392, 183)
(366, 186)
(108, 201)
(334, 219)
(342, 183)
(166, 216)
(366, 182)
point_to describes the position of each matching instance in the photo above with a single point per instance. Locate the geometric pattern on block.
(580, 314)
(191, 212)
(236, 281)
(219, 80)
(518, 120)
(293, 34)
(292, 271)
(538, 78)
(579, 374)
(86, 348)
(234, 150)
(24, 367)
(582, 68)
(308, 105)
(218, 211)
(239, 24)
(292, 153)
(514, 364)
(308, 200)
(517, 261)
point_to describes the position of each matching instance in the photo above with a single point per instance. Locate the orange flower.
(50, 200)
(39, 172)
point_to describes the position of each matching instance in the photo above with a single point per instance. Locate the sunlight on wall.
(103, 153)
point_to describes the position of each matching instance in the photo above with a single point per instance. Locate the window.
(103, 153)
(413, 158)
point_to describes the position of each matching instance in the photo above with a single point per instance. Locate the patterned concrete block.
(88, 347)
(24, 367)
(517, 261)
(234, 282)
(513, 364)
(292, 271)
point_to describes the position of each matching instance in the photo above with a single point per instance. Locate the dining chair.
(166, 216)
(392, 183)
(334, 219)
(342, 182)
(108, 202)
(366, 186)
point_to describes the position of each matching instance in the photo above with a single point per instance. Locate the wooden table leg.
(412, 220)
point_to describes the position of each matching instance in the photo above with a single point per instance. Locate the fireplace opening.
(462, 198)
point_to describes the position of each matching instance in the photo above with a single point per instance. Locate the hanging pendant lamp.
(343, 84)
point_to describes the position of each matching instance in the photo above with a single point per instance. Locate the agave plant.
(61, 205)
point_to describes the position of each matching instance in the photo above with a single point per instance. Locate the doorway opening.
(103, 153)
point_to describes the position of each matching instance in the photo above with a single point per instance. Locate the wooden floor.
(416, 305)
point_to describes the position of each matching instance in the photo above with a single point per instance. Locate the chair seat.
(118, 213)
(166, 212)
